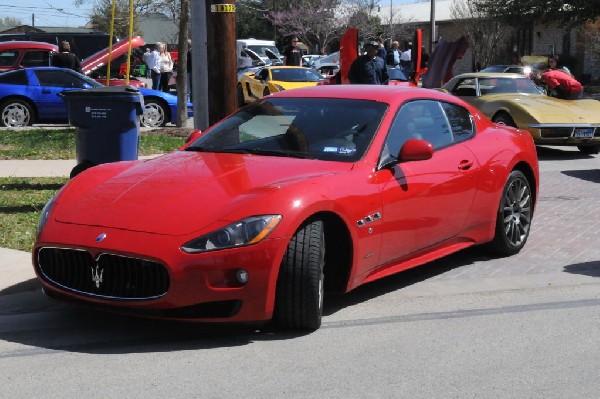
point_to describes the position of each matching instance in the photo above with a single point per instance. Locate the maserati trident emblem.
(97, 275)
(101, 237)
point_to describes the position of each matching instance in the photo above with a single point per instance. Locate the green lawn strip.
(21, 202)
(60, 143)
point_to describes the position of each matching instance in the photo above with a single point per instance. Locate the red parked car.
(301, 193)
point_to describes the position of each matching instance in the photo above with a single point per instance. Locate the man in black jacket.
(369, 68)
(66, 59)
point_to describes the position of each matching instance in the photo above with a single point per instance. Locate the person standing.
(393, 56)
(406, 60)
(369, 68)
(293, 54)
(146, 58)
(165, 65)
(65, 58)
(154, 66)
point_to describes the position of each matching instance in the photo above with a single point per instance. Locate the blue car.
(31, 95)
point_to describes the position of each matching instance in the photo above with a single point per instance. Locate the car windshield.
(295, 75)
(316, 128)
(499, 85)
(260, 50)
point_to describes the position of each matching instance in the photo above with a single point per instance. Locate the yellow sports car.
(271, 79)
(514, 100)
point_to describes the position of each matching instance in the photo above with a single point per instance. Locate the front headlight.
(244, 232)
(44, 216)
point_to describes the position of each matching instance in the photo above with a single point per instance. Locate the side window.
(8, 58)
(461, 122)
(58, 78)
(18, 77)
(465, 88)
(36, 58)
(420, 119)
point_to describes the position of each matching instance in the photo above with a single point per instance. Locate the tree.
(315, 22)
(482, 29)
(567, 12)
(250, 19)
(10, 22)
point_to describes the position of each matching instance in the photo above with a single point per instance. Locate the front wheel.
(300, 290)
(513, 220)
(155, 114)
(16, 113)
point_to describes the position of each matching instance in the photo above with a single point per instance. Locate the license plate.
(586, 133)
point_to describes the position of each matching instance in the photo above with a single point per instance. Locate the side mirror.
(195, 134)
(415, 150)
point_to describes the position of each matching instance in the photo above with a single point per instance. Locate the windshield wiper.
(259, 151)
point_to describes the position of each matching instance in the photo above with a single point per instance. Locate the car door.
(426, 202)
(52, 82)
(259, 83)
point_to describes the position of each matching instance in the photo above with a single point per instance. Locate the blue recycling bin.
(107, 122)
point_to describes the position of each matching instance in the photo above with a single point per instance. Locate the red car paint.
(148, 209)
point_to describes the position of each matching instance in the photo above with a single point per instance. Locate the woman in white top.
(165, 64)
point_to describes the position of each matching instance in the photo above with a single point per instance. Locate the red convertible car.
(303, 192)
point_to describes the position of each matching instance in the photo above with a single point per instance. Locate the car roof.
(22, 44)
(380, 93)
(491, 75)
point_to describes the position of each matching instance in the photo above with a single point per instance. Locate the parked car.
(22, 54)
(514, 100)
(31, 95)
(304, 192)
(271, 79)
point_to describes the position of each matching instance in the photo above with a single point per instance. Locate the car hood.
(185, 192)
(545, 109)
(293, 85)
(100, 58)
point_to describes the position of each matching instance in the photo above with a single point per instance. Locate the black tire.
(155, 114)
(589, 149)
(504, 119)
(240, 96)
(300, 285)
(16, 113)
(513, 220)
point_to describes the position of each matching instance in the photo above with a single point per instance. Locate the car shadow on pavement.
(336, 302)
(591, 175)
(591, 269)
(560, 154)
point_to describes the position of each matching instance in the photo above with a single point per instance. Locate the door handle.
(465, 165)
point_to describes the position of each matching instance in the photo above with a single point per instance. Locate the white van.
(265, 49)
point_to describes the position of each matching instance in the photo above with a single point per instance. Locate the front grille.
(108, 276)
(556, 132)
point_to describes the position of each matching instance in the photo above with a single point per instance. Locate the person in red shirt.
(562, 84)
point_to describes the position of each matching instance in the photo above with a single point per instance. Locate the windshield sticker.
(340, 150)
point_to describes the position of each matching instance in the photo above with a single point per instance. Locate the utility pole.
(214, 66)
(433, 35)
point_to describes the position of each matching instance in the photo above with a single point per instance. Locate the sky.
(46, 12)
(64, 13)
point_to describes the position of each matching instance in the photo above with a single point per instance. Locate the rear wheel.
(504, 119)
(155, 114)
(589, 149)
(513, 220)
(16, 113)
(299, 297)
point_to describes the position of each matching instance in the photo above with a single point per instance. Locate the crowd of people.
(372, 66)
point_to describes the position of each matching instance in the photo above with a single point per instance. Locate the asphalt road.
(468, 326)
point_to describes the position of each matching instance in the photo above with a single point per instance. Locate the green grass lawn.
(22, 199)
(21, 202)
(60, 143)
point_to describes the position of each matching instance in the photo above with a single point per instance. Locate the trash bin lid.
(118, 92)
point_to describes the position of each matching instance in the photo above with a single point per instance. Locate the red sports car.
(303, 192)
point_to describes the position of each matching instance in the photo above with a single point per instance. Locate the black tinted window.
(8, 57)
(14, 77)
(58, 78)
(460, 122)
(35, 58)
